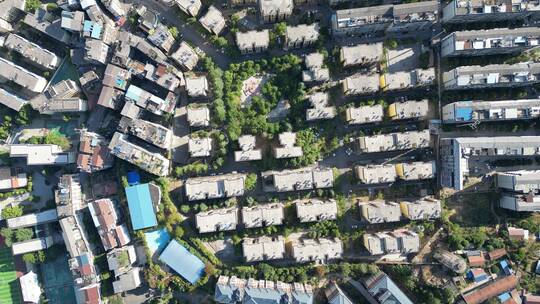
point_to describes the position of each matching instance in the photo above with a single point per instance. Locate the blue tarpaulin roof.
(183, 262)
(505, 296)
(464, 114)
(133, 178)
(140, 205)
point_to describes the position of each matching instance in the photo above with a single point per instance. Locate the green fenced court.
(10, 290)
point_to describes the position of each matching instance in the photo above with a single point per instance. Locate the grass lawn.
(9, 286)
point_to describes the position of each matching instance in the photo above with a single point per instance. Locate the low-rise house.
(121, 259)
(43, 154)
(263, 215)
(234, 290)
(316, 250)
(518, 234)
(472, 111)
(32, 219)
(364, 114)
(379, 285)
(217, 220)
(335, 295)
(95, 52)
(21, 76)
(288, 149)
(253, 41)
(248, 149)
(116, 77)
(72, 21)
(321, 108)
(519, 190)
(164, 75)
(115, 8)
(32, 245)
(491, 76)
(11, 101)
(127, 281)
(426, 208)
(185, 56)
(263, 248)
(416, 170)
(401, 241)
(94, 154)
(151, 162)
(301, 36)
(376, 174)
(197, 86)
(153, 133)
(149, 101)
(380, 211)
(315, 210)
(394, 141)
(361, 54)
(450, 260)
(491, 289)
(409, 79)
(411, 109)
(32, 52)
(298, 179)
(476, 260)
(162, 38)
(62, 97)
(12, 178)
(200, 147)
(361, 84)
(213, 20)
(105, 220)
(198, 116)
(39, 22)
(30, 289)
(490, 42)
(218, 186)
(111, 98)
(190, 7)
(275, 10)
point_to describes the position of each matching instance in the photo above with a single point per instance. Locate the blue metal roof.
(96, 31)
(464, 114)
(140, 205)
(183, 262)
(134, 92)
(87, 26)
(504, 297)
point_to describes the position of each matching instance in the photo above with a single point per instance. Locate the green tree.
(173, 30)
(29, 257)
(251, 181)
(32, 5)
(219, 42)
(7, 234)
(280, 29)
(11, 212)
(51, 7)
(24, 234)
(57, 138)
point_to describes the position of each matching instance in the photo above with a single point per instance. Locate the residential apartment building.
(275, 10)
(426, 208)
(263, 215)
(232, 290)
(490, 42)
(31, 219)
(375, 212)
(491, 76)
(153, 133)
(361, 54)
(217, 220)
(401, 241)
(457, 153)
(94, 154)
(415, 78)
(213, 21)
(376, 174)
(211, 187)
(316, 250)
(394, 141)
(364, 114)
(301, 36)
(190, 7)
(287, 147)
(379, 288)
(197, 86)
(12, 178)
(473, 111)
(359, 84)
(161, 37)
(248, 149)
(315, 210)
(411, 109)
(106, 220)
(200, 146)
(468, 11)
(198, 116)
(408, 19)
(40, 57)
(154, 163)
(416, 170)
(185, 56)
(263, 248)
(520, 190)
(316, 71)
(11, 101)
(149, 101)
(253, 41)
(21, 76)
(38, 22)
(320, 107)
(297, 179)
